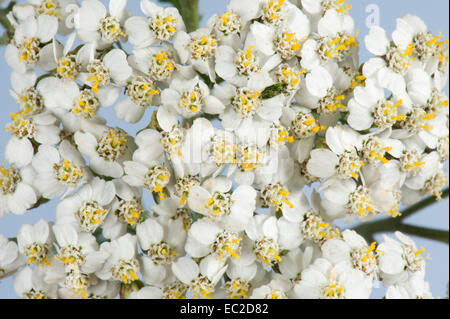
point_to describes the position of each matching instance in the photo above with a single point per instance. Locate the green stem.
(9, 29)
(4, 20)
(122, 291)
(40, 202)
(431, 233)
(368, 230)
(421, 205)
(45, 75)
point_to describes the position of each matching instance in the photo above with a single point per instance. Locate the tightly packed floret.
(242, 115)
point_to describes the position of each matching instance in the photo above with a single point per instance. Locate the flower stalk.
(9, 29)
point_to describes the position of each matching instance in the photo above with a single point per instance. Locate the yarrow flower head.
(198, 189)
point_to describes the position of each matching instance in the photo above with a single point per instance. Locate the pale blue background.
(435, 15)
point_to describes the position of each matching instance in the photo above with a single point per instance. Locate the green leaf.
(273, 90)
(40, 202)
(4, 22)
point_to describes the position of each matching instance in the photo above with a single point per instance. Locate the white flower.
(379, 194)
(335, 41)
(369, 107)
(17, 193)
(295, 262)
(199, 49)
(159, 25)
(10, 259)
(322, 280)
(127, 210)
(61, 92)
(342, 160)
(276, 289)
(247, 10)
(159, 63)
(411, 30)
(215, 201)
(98, 289)
(58, 94)
(88, 207)
(29, 284)
(377, 41)
(121, 264)
(245, 104)
(230, 27)
(201, 279)
(213, 148)
(430, 179)
(107, 148)
(83, 113)
(169, 209)
(267, 98)
(147, 292)
(243, 275)
(394, 60)
(254, 163)
(283, 40)
(30, 48)
(299, 126)
(106, 75)
(182, 187)
(281, 191)
(139, 92)
(377, 146)
(271, 237)
(190, 98)
(324, 91)
(78, 252)
(94, 24)
(354, 250)
(426, 118)
(415, 288)
(152, 175)
(24, 92)
(291, 76)
(235, 66)
(400, 258)
(162, 244)
(314, 226)
(59, 171)
(275, 12)
(25, 131)
(35, 243)
(61, 9)
(151, 145)
(319, 7)
(169, 288)
(379, 190)
(205, 237)
(384, 183)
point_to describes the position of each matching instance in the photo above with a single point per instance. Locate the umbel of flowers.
(264, 101)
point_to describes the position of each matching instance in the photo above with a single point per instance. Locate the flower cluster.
(249, 111)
